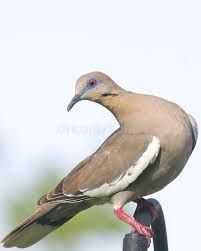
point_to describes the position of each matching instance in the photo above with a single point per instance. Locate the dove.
(149, 150)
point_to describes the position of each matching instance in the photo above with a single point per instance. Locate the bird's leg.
(145, 203)
(137, 227)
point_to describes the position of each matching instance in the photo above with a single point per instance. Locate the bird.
(150, 148)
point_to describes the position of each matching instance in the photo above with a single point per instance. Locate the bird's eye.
(92, 83)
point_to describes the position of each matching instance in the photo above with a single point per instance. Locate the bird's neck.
(122, 107)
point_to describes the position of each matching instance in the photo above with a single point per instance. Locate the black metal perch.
(136, 242)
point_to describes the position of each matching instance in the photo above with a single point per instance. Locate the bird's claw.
(144, 230)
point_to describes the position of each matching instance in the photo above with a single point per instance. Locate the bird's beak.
(75, 99)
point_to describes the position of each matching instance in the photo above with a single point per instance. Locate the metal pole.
(136, 242)
(159, 228)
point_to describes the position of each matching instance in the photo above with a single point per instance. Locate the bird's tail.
(45, 220)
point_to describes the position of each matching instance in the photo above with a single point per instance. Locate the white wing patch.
(125, 179)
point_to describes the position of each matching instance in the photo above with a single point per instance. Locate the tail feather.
(48, 218)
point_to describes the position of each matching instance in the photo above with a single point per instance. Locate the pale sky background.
(146, 46)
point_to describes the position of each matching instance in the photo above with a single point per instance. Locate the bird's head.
(94, 86)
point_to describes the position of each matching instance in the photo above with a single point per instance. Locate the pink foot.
(137, 227)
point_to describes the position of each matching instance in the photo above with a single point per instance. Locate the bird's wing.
(57, 194)
(115, 165)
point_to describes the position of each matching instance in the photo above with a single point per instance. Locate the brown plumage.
(149, 150)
